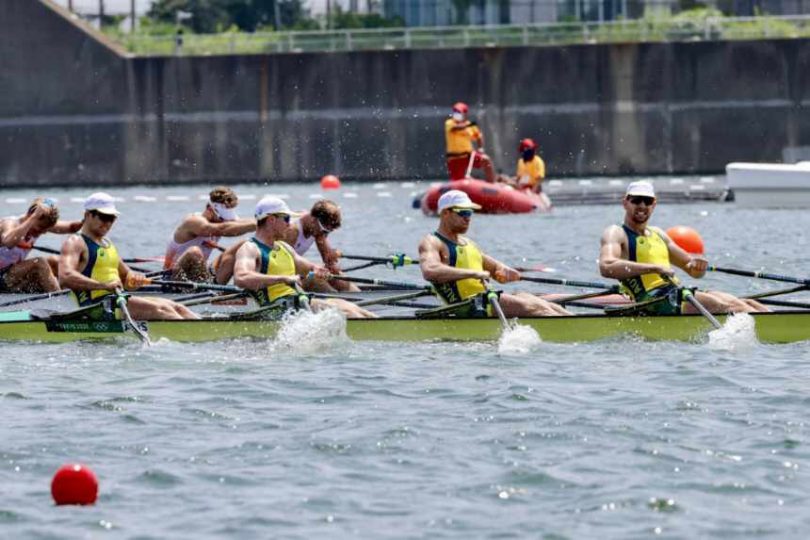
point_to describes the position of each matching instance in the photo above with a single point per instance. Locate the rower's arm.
(70, 277)
(245, 274)
(238, 227)
(695, 266)
(66, 227)
(12, 234)
(328, 255)
(500, 271)
(612, 263)
(435, 271)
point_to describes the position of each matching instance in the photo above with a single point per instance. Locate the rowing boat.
(775, 327)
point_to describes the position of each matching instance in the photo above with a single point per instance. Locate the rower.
(315, 227)
(270, 268)
(460, 133)
(198, 234)
(641, 257)
(17, 238)
(90, 266)
(458, 268)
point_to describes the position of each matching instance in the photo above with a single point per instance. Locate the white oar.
(696, 303)
(121, 302)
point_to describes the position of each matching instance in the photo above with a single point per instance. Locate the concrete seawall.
(75, 110)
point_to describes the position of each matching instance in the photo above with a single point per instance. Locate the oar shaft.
(568, 282)
(382, 282)
(43, 296)
(197, 286)
(760, 275)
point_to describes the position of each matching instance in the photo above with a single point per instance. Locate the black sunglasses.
(638, 199)
(285, 217)
(106, 218)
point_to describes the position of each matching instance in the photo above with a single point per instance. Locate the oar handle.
(396, 260)
(760, 275)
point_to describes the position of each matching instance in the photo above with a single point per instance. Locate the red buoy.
(687, 238)
(330, 181)
(74, 484)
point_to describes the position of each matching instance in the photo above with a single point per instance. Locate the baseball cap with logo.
(456, 199)
(101, 202)
(640, 188)
(272, 205)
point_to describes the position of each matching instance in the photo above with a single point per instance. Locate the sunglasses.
(324, 229)
(105, 218)
(463, 212)
(285, 217)
(638, 199)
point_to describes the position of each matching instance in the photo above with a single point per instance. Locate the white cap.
(224, 213)
(641, 188)
(456, 199)
(272, 205)
(101, 202)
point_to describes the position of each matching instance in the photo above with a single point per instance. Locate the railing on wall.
(637, 30)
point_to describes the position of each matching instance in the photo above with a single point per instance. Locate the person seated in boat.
(458, 269)
(190, 247)
(270, 268)
(18, 235)
(460, 133)
(641, 257)
(531, 169)
(315, 227)
(90, 267)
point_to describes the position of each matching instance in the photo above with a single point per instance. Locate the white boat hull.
(770, 185)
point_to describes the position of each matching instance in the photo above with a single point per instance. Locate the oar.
(585, 296)
(303, 297)
(786, 303)
(492, 296)
(382, 282)
(194, 285)
(778, 292)
(470, 165)
(696, 303)
(43, 296)
(392, 299)
(569, 282)
(760, 275)
(396, 260)
(212, 299)
(121, 301)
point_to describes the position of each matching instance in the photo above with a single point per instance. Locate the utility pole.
(70, 5)
(131, 16)
(100, 14)
(276, 16)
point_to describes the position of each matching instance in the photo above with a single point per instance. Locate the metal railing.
(637, 30)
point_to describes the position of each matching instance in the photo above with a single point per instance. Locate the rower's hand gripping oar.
(121, 302)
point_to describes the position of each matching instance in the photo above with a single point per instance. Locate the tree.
(248, 15)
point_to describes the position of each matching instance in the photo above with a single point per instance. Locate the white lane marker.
(584, 182)
(77, 199)
(616, 182)
(383, 194)
(144, 198)
(707, 179)
(378, 185)
(202, 197)
(350, 195)
(555, 182)
(407, 185)
(177, 198)
(697, 187)
(434, 184)
(248, 197)
(312, 196)
(676, 180)
(15, 200)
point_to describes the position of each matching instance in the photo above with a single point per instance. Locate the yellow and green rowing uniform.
(470, 293)
(102, 266)
(277, 260)
(651, 248)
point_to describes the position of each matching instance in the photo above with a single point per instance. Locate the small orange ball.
(330, 181)
(74, 484)
(687, 238)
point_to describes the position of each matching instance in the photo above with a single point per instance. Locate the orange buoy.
(74, 484)
(330, 181)
(687, 238)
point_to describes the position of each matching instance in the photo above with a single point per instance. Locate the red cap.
(461, 107)
(527, 144)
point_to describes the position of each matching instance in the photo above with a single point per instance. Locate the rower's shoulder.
(614, 233)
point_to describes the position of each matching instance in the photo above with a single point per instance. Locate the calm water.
(619, 439)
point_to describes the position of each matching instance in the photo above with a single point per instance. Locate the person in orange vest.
(460, 134)
(531, 169)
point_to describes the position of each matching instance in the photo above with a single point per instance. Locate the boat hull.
(780, 327)
(493, 198)
(770, 185)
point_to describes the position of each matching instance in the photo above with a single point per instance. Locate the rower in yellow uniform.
(270, 268)
(458, 268)
(89, 265)
(460, 134)
(641, 258)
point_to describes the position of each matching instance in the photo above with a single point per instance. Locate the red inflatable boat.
(493, 198)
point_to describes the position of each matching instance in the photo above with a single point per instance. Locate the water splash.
(518, 339)
(739, 332)
(303, 332)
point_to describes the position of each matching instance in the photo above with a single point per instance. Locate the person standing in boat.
(460, 134)
(90, 267)
(270, 267)
(458, 269)
(315, 227)
(18, 235)
(641, 257)
(198, 234)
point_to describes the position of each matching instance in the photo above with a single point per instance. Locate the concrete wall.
(74, 110)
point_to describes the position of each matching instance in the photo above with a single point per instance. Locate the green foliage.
(349, 20)
(248, 15)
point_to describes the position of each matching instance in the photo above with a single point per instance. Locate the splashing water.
(739, 332)
(303, 332)
(518, 339)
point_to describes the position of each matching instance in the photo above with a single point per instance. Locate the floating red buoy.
(688, 238)
(330, 181)
(74, 484)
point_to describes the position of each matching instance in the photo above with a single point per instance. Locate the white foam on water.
(739, 332)
(306, 333)
(518, 339)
